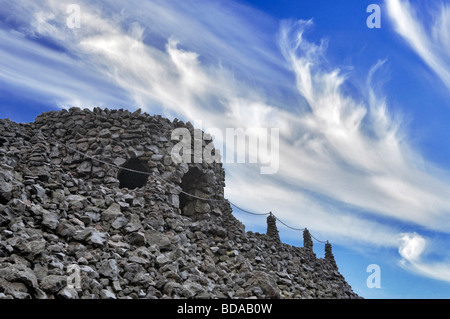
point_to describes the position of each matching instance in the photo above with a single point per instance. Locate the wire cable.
(173, 185)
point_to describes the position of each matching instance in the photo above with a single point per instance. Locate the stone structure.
(307, 240)
(272, 231)
(77, 219)
(329, 255)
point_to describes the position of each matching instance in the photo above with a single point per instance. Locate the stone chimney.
(329, 255)
(307, 241)
(272, 230)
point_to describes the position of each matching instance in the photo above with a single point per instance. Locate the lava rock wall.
(77, 220)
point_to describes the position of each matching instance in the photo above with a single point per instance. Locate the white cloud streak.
(412, 249)
(336, 156)
(431, 44)
(220, 69)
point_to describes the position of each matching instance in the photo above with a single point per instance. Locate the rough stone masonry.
(130, 235)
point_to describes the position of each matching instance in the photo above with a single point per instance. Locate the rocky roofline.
(72, 227)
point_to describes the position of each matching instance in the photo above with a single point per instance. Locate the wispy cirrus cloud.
(353, 150)
(43, 73)
(342, 159)
(432, 44)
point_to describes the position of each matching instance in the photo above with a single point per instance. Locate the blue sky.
(363, 113)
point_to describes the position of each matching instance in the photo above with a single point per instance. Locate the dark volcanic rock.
(87, 225)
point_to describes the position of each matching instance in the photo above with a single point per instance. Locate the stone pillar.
(329, 255)
(272, 230)
(307, 241)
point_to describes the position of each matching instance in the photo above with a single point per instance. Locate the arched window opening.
(131, 180)
(189, 184)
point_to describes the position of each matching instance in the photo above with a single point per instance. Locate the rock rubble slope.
(75, 226)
